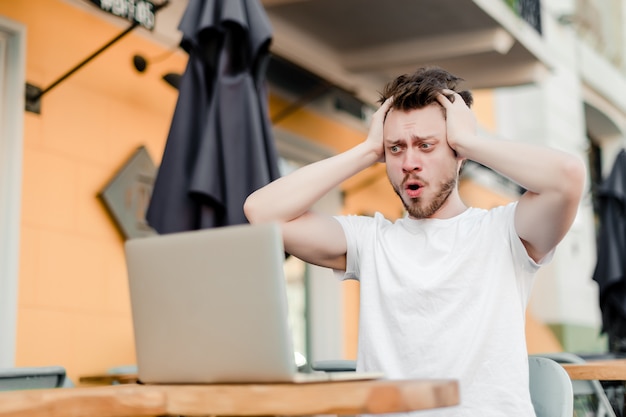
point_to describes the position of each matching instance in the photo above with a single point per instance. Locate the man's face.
(421, 166)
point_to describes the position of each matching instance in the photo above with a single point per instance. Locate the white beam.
(12, 71)
(506, 75)
(428, 49)
(491, 73)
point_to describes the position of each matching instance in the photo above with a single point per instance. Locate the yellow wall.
(73, 307)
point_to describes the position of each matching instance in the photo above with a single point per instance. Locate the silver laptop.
(210, 306)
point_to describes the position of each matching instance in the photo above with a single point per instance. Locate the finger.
(450, 96)
(387, 102)
(381, 112)
(444, 100)
(384, 108)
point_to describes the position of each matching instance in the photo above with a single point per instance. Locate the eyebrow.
(393, 142)
(412, 138)
(424, 138)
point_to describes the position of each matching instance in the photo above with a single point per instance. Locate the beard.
(418, 208)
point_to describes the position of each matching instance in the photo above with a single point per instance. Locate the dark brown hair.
(418, 90)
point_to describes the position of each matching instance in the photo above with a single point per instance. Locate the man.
(444, 290)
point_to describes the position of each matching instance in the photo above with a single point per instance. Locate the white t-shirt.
(446, 298)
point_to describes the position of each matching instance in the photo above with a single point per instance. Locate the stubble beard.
(417, 208)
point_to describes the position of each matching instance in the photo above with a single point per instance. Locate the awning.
(359, 45)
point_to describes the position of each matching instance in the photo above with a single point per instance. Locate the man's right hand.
(316, 237)
(375, 135)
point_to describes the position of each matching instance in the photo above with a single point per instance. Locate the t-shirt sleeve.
(524, 264)
(518, 248)
(356, 230)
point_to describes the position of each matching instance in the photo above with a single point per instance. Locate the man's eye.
(394, 149)
(426, 145)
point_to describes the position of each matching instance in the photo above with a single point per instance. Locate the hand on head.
(375, 135)
(461, 122)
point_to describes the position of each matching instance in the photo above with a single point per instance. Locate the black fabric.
(610, 270)
(220, 146)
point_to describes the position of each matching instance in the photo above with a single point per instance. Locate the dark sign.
(127, 195)
(138, 11)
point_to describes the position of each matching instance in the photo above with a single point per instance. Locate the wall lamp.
(141, 64)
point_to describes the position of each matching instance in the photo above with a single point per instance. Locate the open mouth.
(413, 189)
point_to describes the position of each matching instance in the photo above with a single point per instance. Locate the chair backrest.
(590, 397)
(337, 365)
(550, 388)
(23, 378)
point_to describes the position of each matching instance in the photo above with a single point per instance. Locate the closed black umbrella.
(610, 270)
(220, 146)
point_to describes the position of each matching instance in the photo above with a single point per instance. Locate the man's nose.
(412, 161)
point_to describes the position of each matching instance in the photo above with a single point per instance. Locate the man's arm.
(313, 237)
(553, 179)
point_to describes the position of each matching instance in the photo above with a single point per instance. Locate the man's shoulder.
(499, 211)
(377, 217)
(374, 221)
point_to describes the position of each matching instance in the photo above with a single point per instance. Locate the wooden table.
(602, 370)
(350, 397)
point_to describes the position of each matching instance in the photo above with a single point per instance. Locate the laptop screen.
(210, 306)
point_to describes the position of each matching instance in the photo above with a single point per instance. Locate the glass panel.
(295, 274)
(295, 271)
